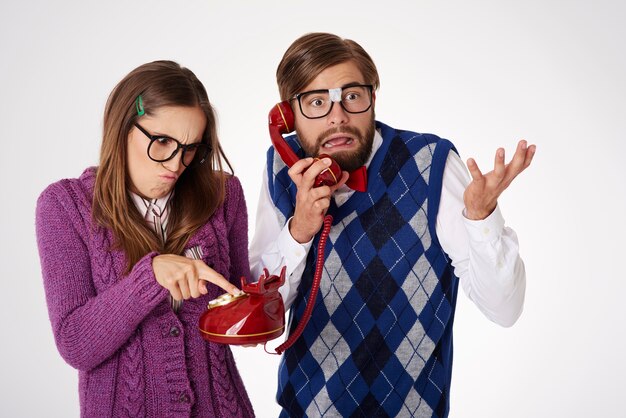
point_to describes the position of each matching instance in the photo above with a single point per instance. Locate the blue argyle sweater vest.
(379, 341)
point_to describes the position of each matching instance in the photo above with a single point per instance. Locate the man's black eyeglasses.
(316, 104)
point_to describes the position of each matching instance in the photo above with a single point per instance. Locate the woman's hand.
(185, 278)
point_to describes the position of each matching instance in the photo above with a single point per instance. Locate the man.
(379, 342)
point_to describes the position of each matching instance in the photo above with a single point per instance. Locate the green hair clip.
(139, 106)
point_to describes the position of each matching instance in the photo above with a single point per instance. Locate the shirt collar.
(145, 206)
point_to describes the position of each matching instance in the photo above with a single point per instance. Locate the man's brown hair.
(312, 53)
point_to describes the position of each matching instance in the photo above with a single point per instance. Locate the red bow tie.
(358, 179)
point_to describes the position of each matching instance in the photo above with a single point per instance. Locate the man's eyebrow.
(344, 86)
(352, 84)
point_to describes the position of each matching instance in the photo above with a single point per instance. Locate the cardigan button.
(174, 331)
(184, 398)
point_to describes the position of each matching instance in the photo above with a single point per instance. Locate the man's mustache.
(343, 130)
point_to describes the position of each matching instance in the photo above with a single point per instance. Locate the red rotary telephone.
(255, 316)
(258, 315)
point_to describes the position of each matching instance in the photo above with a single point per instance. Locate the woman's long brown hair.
(199, 191)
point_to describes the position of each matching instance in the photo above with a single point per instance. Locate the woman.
(132, 251)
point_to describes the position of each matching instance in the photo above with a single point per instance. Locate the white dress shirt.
(484, 254)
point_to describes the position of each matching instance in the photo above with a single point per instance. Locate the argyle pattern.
(379, 342)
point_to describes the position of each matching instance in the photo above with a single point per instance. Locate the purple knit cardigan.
(135, 356)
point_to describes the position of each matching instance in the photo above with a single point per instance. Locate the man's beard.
(347, 160)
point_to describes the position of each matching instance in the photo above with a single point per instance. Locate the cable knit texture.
(135, 356)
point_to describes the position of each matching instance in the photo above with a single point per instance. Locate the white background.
(481, 73)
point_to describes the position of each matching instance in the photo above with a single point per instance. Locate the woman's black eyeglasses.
(164, 148)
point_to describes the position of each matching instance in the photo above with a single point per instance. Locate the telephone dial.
(258, 314)
(255, 316)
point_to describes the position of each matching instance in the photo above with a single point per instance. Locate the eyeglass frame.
(332, 102)
(179, 145)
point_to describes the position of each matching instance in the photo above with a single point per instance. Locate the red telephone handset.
(281, 121)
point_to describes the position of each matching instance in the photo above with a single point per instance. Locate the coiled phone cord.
(319, 266)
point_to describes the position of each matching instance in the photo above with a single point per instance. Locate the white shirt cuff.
(292, 251)
(485, 230)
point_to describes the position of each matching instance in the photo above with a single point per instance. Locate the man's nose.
(337, 115)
